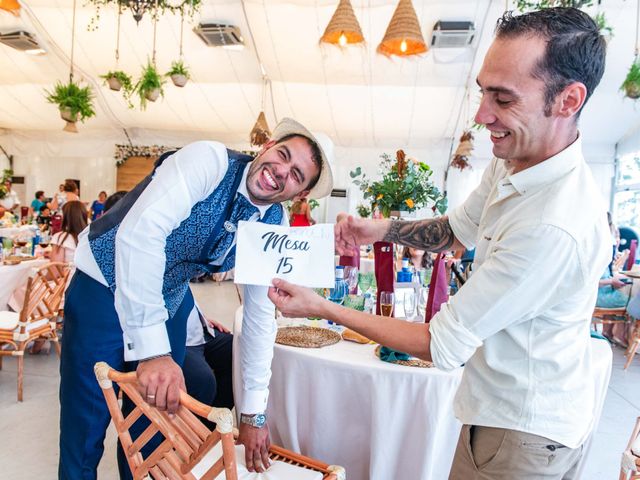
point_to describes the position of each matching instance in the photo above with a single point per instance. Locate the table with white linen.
(13, 277)
(11, 232)
(344, 406)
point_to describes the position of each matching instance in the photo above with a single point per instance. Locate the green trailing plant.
(178, 68)
(313, 203)
(603, 25)
(191, 7)
(405, 185)
(149, 87)
(7, 174)
(631, 84)
(529, 5)
(123, 79)
(76, 101)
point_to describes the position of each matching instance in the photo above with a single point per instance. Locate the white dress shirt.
(184, 179)
(9, 200)
(521, 322)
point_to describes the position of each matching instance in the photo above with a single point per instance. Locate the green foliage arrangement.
(6, 175)
(529, 5)
(313, 203)
(631, 84)
(363, 211)
(149, 87)
(122, 78)
(190, 7)
(72, 100)
(405, 185)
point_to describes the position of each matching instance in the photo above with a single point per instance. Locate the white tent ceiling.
(357, 97)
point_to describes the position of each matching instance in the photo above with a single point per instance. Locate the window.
(626, 201)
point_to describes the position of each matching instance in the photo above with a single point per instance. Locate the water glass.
(387, 302)
(423, 296)
(351, 277)
(409, 305)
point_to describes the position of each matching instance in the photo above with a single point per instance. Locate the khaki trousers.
(486, 453)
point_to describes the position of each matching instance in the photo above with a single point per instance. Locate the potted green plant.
(179, 73)
(405, 185)
(149, 87)
(117, 80)
(74, 102)
(631, 84)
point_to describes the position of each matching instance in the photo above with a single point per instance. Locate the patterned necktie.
(242, 210)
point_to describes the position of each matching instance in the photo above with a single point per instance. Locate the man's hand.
(160, 382)
(352, 232)
(295, 301)
(218, 326)
(256, 447)
(616, 282)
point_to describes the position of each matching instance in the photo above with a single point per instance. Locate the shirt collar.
(242, 188)
(549, 170)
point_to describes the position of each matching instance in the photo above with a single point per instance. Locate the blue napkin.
(390, 355)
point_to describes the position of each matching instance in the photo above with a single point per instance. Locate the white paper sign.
(301, 255)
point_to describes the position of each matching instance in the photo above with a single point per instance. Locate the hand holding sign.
(304, 256)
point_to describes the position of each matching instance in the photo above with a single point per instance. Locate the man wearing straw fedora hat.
(129, 301)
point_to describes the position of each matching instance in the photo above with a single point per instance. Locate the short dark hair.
(39, 193)
(70, 186)
(44, 207)
(575, 50)
(113, 199)
(316, 155)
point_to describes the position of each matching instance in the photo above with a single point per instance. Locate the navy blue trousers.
(92, 333)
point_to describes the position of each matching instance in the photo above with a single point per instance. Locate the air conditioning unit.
(220, 35)
(452, 34)
(20, 40)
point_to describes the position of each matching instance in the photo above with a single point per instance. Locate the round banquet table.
(13, 277)
(342, 405)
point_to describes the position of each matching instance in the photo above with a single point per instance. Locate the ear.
(571, 99)
(266, 146)
(303, 194)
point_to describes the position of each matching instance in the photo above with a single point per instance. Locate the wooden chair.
(37, 318)
(189, 449)
(634, 343)
(630, 458)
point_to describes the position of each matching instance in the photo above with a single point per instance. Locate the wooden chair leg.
(1, 361)
(632, 352)
(20, 374)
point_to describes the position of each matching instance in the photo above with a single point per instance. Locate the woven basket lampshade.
(403, 36)
(343, 29)
(11, 6)
(260, 132)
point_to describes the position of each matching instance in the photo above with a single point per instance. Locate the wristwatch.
(257, 420)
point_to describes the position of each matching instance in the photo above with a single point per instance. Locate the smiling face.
(282, 171)
(513, 103)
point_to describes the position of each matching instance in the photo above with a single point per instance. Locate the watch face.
(259, 420)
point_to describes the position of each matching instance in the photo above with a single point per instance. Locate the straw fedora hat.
(289, 126)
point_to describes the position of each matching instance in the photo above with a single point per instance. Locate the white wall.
(47, 158)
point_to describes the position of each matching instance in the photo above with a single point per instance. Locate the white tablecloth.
(11, 232)
(13, 277)
(344, 406)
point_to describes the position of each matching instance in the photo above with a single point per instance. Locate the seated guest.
(36, 203)
(44, 217)
(74, 220)
(10, 200)
(610, 291)
(208, 361)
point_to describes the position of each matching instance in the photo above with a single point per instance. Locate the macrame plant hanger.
(70, 125)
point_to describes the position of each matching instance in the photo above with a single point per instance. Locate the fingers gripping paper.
(303, 256)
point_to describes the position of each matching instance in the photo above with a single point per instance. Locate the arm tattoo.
(433, 235)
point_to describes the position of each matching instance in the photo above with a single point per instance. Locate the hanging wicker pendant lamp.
(403, 36)
(260, 133)
(343, 29)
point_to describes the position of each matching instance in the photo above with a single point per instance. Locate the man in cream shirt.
(520, 325)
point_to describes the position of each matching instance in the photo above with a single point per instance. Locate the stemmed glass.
(423, 296)
(387, 302)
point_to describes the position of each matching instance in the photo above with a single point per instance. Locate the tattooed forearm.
(433, 235)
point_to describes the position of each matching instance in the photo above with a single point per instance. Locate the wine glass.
(351, 277)
(387, 302)
(423, 296)
(409, 305)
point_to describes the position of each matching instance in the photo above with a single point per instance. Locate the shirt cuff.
(145, 342)
(254, 401)
(452, 344)
(463, 227)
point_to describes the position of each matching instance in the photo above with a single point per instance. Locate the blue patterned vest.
(203, 237)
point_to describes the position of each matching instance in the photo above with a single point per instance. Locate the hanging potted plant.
(117, 80)
(74, 102)
(631, 84)
(179, 73)
(149, 87)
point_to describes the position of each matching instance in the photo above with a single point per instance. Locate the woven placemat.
(306, 337)
(414, 362)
